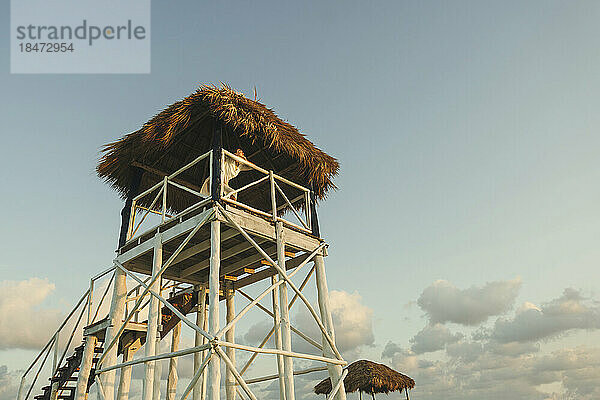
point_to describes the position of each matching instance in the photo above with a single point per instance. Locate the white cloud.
(433, 338)
(22, 324)
(444, 302)
(568, 312)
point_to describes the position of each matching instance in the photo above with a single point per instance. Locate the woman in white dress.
(231, 169)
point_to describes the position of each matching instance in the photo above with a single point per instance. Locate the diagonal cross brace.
(286, 278)
(338, 385)
(236, 374)
(154, 279)
(296, 331)
(197, 375)
(266, 292)
(266, 339)
(170, 306)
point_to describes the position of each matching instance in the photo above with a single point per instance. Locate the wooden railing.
(298, 207)
(161, 190)
(274, 181)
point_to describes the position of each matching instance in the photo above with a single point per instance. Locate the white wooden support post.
(21, 386)
(158, 364)
(152, 322)
(85, 367)
(117, 308)
(125, 378)
(173, 378)
(214, 366)
(286, 331)
(230, 382)
(157, 372)
(335, 371)
(54, 389)
(275, 299)
(205, 353)
(277, 331)
(199, 340)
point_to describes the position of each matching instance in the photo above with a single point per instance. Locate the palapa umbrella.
(370, 377)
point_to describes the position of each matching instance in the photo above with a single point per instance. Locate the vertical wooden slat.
(152, 328)
(85, 367)
(125, 377)
(199, 340)
(173, 378)
(117, 308)
(230, 382)
(277, 331)
(214, 365)
(335, 371)
(286, 332)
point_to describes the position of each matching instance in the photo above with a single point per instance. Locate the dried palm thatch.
(369, 377)
(184, 130)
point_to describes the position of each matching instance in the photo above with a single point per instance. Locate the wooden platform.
(133, 337)
(238, 258)
(98, 329)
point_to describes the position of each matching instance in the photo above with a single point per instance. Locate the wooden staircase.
(66, 376)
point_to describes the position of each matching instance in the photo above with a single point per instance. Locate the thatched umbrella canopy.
(184, 131)
(369, 377)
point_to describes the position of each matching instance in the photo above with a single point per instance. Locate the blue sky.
(466, 132)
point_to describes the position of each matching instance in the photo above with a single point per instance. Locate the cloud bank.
(568, 312)
(21, 320)
(504, 359)
(433, 338)
(444, 302)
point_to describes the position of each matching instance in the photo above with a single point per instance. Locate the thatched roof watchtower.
(210, 234)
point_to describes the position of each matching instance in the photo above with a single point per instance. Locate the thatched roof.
(369, 377)
(183, 131)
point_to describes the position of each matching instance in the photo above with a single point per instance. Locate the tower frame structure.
(208, 252)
